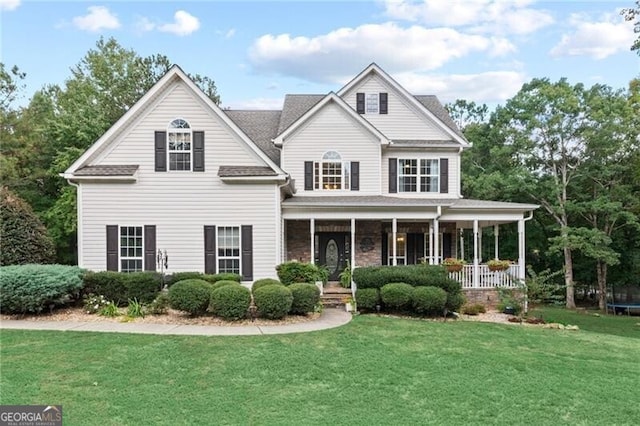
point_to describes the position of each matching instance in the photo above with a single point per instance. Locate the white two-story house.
(367, 175)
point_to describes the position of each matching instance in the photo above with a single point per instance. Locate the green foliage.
(396, 296)
(135, 309)
(230, 302)
(263, 282)
(345, 276)
(368, 298)
(94, 303)
(24, 238)
(121, 286)
(455, 301)
(305, 297)
(415, 275)
(299, 272)
(223, 283)
(109, 310)
(544, 286)
(473, 309)
(428, 300)
(273, 301)
(33, 288)
(191, 296)
(160, 304)
(510, 298)
(212, 278)
(629, 15)
(225, 276)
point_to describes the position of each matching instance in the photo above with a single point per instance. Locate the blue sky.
(479, 50)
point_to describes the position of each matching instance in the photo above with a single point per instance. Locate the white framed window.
(228, 246)
(180, 145)
(372, 103)
(418, 175)
(131, 249)
(401, 248)
(332, 173)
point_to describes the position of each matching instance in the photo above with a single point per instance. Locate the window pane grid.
(428, 175)
(229, 249)
(131, 248)
(179, 145)
(372, 103)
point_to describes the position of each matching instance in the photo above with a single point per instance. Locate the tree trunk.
(568, 278)
(601, 270)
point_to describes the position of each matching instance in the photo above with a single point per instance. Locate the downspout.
(79, 226)
(279, 221)
(524, 281)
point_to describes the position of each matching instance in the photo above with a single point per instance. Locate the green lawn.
(592, 320)
(373, 371)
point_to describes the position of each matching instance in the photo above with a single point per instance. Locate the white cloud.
(9, 4)
(257, 103)
(595, 39)
(486, 87)
(144, 24)
(184, 24)
(230, 33)
(482, 16)
(99, 18)
(332, 57)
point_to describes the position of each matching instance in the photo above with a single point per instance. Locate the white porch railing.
(487, 278)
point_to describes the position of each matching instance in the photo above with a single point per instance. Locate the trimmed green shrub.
(299, 272)
(273, 301)
(396, 296)
(192, 296)
(225, 276)
(305, 298)
(428, 300)
(455, 301)
(473, 309)
(264, 282)
(33, 288)
(161, 304)
(415, 275)
(367, 298)
(181, 276)
(223, 283)
(230, 302)
(24, 238)
(121, 286)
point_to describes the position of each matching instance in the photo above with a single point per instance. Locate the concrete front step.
(336, 290)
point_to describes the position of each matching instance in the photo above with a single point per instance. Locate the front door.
(332, 252)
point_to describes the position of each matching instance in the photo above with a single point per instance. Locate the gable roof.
(294, 107)
(261, 127)
(433, 104)
(331, 97)
(428, 107)
(173, 74)
(245, 171)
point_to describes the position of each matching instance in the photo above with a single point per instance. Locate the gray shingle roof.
(294, 107)
(261, 127)
(432, 103)
(245, 171)
(390, 201)
(418, 143)
(107, 170)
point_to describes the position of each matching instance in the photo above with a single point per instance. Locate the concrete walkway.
(330, 318)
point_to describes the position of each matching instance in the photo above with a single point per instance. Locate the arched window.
(332, 173)
(179, 137)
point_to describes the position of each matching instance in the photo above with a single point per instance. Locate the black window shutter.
(112, 247)
(161, 151)
(384, 98)
(209, 249)
(198, 151)
(360, 103)
(385, 248)
(393, 175)
(247, 252)
(444, 175)
(355, 176)
(149, 247)
(308, 175)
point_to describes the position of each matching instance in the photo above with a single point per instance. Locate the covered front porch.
(338, 233)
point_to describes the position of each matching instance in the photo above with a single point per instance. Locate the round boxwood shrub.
(429, 300)
(455, 301)
(223, 283)
(264, 282)
(273, 301)
(230, 302)
(396, 295)
(305, 297)
(367, 298)
(192, 296)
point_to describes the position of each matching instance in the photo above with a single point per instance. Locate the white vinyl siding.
(332, 129)
(179, 204)
(454, 172)
(403, 121)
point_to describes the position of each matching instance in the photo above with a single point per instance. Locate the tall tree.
(629, 15)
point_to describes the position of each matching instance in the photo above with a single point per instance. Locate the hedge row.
(402, 297)
(212, 278)
(121, 287)
(415, 275)
(300, 272)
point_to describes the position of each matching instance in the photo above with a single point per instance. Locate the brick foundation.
(298, 240)
(487, 297)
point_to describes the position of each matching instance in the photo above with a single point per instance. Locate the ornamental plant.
(498, 265)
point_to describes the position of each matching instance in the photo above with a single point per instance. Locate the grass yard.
(374, 371)
(592, 320)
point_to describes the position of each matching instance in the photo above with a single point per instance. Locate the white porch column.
(461, 253)
(521, 253)
(431, 257)
(476, 268)
(436, 241)
(353, 244)
(312, 230)
(495, 242)
(479, 243)
(394, 231)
